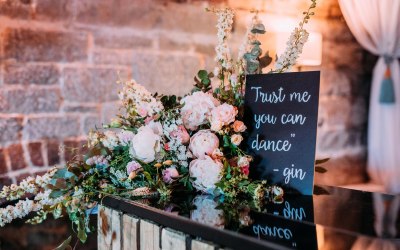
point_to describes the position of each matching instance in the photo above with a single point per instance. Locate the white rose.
(236, 139)
(145, 145)
(207, 173)
(222, 115)
(203, 143)
(196, 109)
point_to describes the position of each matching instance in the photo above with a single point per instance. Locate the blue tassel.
(387, 89)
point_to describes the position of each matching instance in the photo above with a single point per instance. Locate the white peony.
(156, 127)
(196, 109)
(203, 143)
(145, 145)
(207, 173)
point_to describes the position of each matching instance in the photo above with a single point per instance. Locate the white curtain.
(376, 26)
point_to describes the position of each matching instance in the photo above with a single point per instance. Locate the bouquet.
(163, 144)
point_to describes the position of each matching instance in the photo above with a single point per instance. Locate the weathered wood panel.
(172, 240)
(104, 226)
(149, 236)
(116, 236)
(109, 229)
(130, 232)
(201, 245)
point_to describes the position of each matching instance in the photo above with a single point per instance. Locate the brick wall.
(60, 61)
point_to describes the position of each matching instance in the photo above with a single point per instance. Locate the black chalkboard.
(281, 113)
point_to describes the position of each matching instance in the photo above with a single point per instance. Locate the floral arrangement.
(162, 144)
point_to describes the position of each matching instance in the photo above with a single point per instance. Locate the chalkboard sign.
(281, 112)
(289, 233)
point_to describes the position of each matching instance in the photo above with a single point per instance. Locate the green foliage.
(65, 244)
(169, 102)
(203, 81)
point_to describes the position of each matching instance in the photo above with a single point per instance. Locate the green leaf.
(265, 60)
(320, 190)
(202, 74)
(64, 174)
(227, 142)
(255, 42)
(82, 236)
(57, 212)
(148, 176)
(259, 28)
(65, 244)
(228, 173)
(317, 162)
(55, 194)
(206, 81)
(320, 169)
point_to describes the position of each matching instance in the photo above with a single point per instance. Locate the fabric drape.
(376, 26)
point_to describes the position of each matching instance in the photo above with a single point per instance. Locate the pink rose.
(207, 173)
(181, 133)
(196, 109)
(222, 115)
(238, 127)
(245, 170)
(217, 153)
(203, 143)
(244, 161)
(132, 166)
(236, 139)
(142, 111)
(170, 174)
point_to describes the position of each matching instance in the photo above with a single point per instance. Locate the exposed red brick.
(23, 176)
(11, 129)
(51, 127)
(3, 163)
(5, 181)
(30, 74)
(53, 148)
(15, 9)
(73, 149)
(34, 45)
(35, 153)
(30, 100)
(16, 155)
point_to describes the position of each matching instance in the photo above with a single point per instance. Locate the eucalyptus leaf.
(64, 174)
(259, 28)
(318, 162)
(65, 244)
(320, 169)
(202, 74)
(55, 194)
(255, 42)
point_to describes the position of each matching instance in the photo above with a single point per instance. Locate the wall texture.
(59, 61)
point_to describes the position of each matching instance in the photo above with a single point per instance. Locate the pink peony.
(207, 173)
(169, 174)
(132, 166)
(181, 133)
(222, 115)
(196, 109)
(203, 143)
(238, 126)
